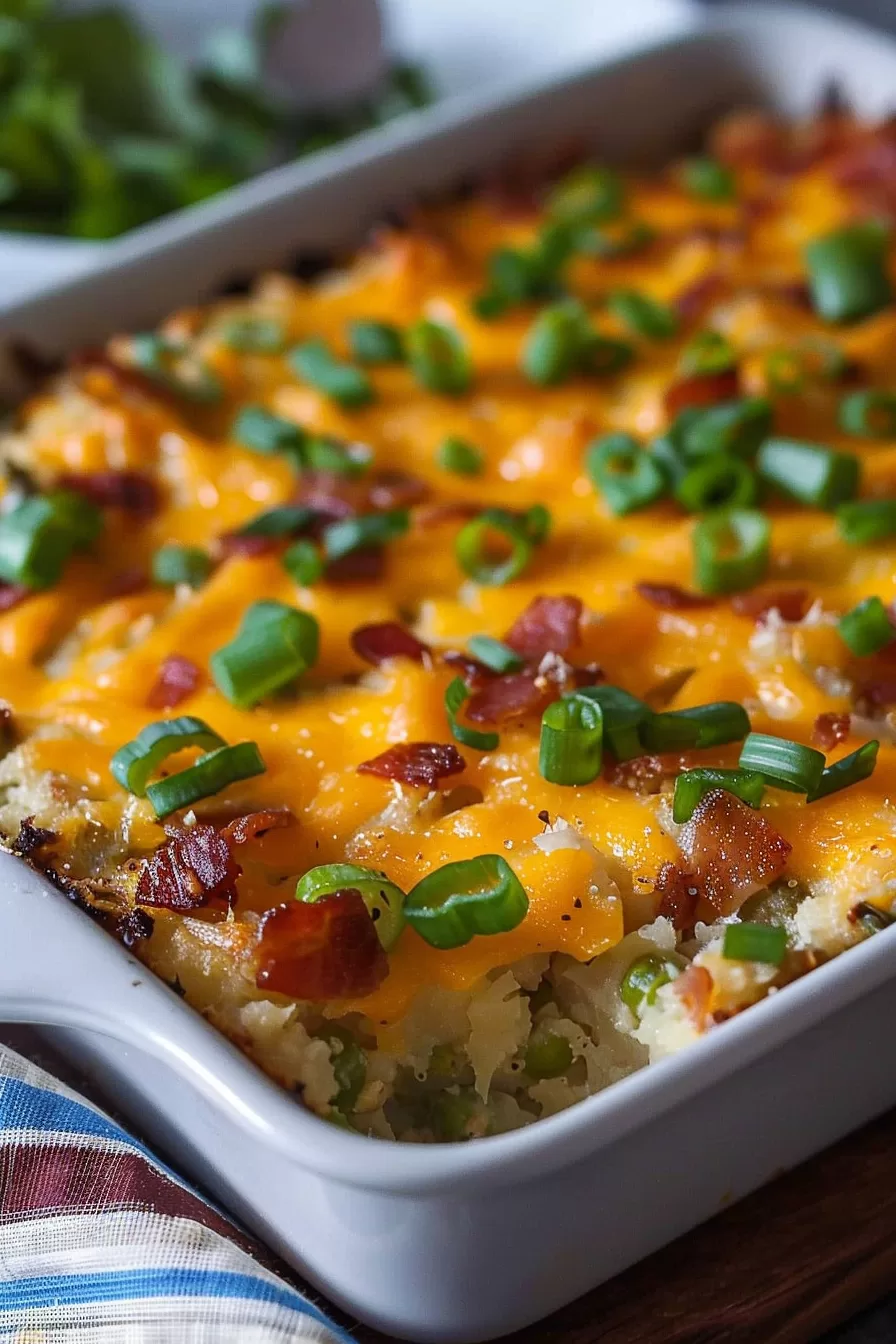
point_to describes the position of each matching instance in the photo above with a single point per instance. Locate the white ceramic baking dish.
(462, 1243)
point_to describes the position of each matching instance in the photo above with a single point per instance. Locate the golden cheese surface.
(79, 660)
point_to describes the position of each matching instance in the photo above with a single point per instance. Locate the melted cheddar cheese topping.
(79, 660)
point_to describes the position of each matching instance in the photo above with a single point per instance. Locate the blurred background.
(117, 113)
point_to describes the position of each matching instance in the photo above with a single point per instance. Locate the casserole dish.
(585, 1230)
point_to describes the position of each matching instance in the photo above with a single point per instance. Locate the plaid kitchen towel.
(102, 1244)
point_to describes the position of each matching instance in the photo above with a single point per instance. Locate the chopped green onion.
(254, 335)
(848, 274)
(731, 549)
(171, 366)
(643, 315)
(536, 523)
(501, 658)
(782, 763)
(438, 358)
(35, 543)
(588, 195)
(867, 628)
(264, 432)
(643, 978)
(614, 239)
(303, 562)
(77, 515)
(870, 414)
(755, 942)
(207, 776)
(555, 345)
(383, 898)
(548, 1055)
(718, 482)
(693, 785)
(474, 896)
(733, 427)
(626, 476)
(475, 548)
(816, 476)
(702, 726)
(275, 645)
(572, 737)
(345, 383)
(518, 275)
(370, 529)
(813, 357)
(134, 763)
(460, 457)
(324, 452)
(707, 352)
(848, 770)
(456, 695)
(284, 521)
(708, 178)
(173, 565)
(375, 342)
(623, 717)
(864, 521)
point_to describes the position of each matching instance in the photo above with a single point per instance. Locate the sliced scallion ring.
(473, 896)
(209, 775)
(134, 763)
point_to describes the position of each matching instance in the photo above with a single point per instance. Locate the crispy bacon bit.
(669, 597)
(190, 869)
(641, 774)
(317, 950)
(396, 490)
(178, 678)
(796, 292)
(548, 625)
(830, 729)
(694, 988)
(11, 594)
(387, 639)
(125, 583)
(330, 495)
(365, 565)
(256, 824)
(678, 894)
(135, 926)
(791, 603)
(591, 674)
(692, 301)
(701, 389)
(474, 673)
(878, 694)
(750, 138)
(245, 544)
(31, 838)
(868, 168)
(132, 491)
(424, 764)
(732, 849)
(510, 697)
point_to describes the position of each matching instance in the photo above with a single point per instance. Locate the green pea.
(547, 1054)
(642, 980)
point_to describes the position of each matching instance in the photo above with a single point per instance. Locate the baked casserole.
(469, 674)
